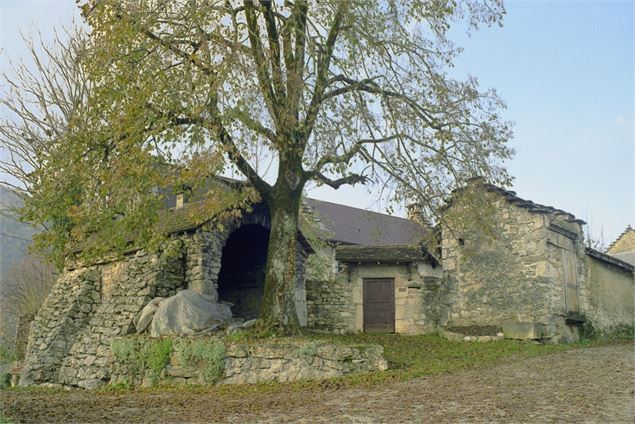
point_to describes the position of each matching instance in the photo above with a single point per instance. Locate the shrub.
(208, 354)
(142, 354)
(619, 333)
(157, 354)
(308, 350)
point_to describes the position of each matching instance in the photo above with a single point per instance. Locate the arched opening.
(241, 279)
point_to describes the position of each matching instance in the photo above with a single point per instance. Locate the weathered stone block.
(524, 330)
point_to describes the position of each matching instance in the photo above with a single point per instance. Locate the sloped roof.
(186, 218)
(625, 256)
(625, 242)
(610, 259)
(350, 225)
(384, 253)
(533, 207)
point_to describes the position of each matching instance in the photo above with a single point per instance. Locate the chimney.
(180, 200)
(414, 213)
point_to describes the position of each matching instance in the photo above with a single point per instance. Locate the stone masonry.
(110, 296)
(515, 275)
(53, 332)
(530, 275)
(70, 340)
(250, 363)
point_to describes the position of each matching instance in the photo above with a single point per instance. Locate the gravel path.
(583, 385)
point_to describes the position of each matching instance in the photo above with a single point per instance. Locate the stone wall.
(127, 286)
(497, 278)
(209, 360)
(330, 305)
(112, 294)
(299, 361)
(516, 275)
(202, 261)
(513, 275)
(610, 292)
(65, 312)
(90, 305)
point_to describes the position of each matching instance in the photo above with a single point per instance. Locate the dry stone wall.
(127, 287)
(90, 305)
(209, 360)
(299, 361)
(71, 336)
(64, 313)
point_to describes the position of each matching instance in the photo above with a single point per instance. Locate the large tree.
(335, 92)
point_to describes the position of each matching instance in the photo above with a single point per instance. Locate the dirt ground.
(584, 385)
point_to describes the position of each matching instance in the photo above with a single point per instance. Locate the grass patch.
(415, 356)
(7, 356)
(408, 357)
(5, 420)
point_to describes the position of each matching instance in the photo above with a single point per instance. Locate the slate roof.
(350, 225)
(513, 198)
(625, 256)
(384, 253)
(610, 259)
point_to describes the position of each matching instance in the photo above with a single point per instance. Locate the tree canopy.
(335, 92)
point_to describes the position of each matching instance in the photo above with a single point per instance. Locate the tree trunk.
(278, 314)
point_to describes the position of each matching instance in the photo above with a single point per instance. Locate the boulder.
(187, 313)
(249, 324)
(144, 318)
(233, 328)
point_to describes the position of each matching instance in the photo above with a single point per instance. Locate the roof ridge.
(622, 234)
(363, 210)
(514, 198)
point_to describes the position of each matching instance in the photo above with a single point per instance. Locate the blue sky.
(565, 69)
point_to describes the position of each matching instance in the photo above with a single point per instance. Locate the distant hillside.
(15, 236)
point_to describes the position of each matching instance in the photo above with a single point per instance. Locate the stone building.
(92, 304)
(623, 247)
(531, 277)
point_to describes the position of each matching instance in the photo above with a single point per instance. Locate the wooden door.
(379, 305)
(570, 281)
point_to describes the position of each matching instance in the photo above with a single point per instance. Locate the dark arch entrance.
(241, 278)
